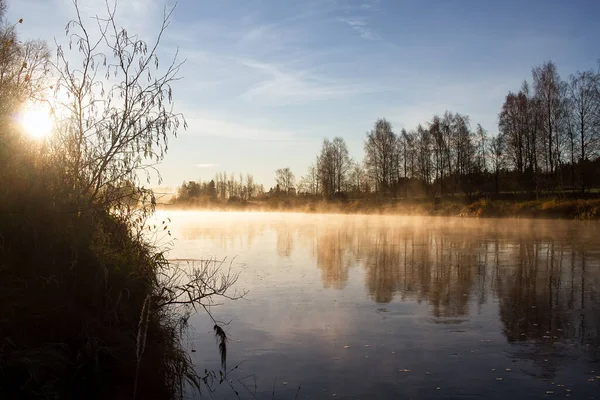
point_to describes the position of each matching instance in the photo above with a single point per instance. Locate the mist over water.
(400, 307)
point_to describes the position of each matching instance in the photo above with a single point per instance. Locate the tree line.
(549, 131)
(548, 140)
(223, 186)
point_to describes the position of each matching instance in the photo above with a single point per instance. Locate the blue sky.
(265, 81)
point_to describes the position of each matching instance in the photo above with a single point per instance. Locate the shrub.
(89, 305)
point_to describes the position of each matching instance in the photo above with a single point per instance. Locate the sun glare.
(36, 122)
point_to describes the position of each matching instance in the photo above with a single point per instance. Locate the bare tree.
(530, 123)
(408, 148)
(381, 158)
(118, 105)
(497, 158)
(405, 143)
(446, 138)
(584, 102)
(23, 83)
(440, 149)
(333, 165)
(481, 136)
(548, 90)
(423, 149)
(230, 185)
(309, 183)
(520, 122)
(222, 185)
(24, 68)
(285, 179)
(509, 128)
(342, 163)
(463, 149)
(250, 187)
(357, 178)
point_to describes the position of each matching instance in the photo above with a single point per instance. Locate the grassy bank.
(73, 284)
(89, 305)
(579, 209)
(550, 208)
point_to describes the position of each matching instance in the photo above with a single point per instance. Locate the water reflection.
(550, 294)
(334, 248)
(285, 241)
(430, 291)
(546, 279)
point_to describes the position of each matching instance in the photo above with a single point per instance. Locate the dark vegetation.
(544, 161)
(563, 207)
(89, 305)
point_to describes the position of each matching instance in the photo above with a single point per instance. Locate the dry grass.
(483, 208)
(554, 208)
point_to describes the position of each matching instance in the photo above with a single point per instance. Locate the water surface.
(384, 307)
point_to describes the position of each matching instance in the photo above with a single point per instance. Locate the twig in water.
(236, 367)
(246, 387)
(298, 391)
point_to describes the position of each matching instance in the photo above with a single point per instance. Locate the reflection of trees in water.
(285, 242)
(546, 289)
(453, 274)
(547, 283)
(550, 294)
(382, 267)
(420, 265)
(333, 246)
(549, 301)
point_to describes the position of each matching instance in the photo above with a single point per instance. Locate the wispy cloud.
(273, 63)
(205, 165)
(260, 34)
(283, 35)
(370, 5)
(216, 126)
(285, 86)
(358, 18)
(360, 25)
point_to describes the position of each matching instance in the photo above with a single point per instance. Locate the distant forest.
(548, 141)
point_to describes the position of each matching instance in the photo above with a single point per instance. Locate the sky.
(265, 81)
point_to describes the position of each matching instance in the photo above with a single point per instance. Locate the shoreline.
(551, 208)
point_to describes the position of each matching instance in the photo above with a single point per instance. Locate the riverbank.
(551, 208)
(90, 307)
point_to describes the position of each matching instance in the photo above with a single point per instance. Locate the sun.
(36, 122)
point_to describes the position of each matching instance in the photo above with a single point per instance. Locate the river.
(387, 307)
